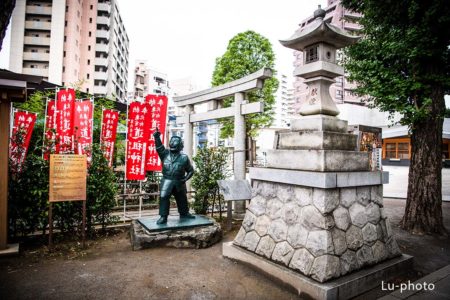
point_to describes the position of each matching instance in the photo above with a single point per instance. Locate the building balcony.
(102, 48)
(104, 7)
(37, 25)
(98, 89)
(36, 56)
(35, 71)
(100, 61)
(103, 20)
(102, 34)
(101, 76)
(352, 26)
(38, 41)
(139, 87)
(39, 10)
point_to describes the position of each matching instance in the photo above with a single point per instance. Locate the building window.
(92, 7)
(65, 23)
(67, 8)
(65, 38)
(397, 150)
(88, 76)
(90, 34)
(90, 19)
(89, 62)
(339, 94)
(64, 70)
(64, 53)
(89, 48)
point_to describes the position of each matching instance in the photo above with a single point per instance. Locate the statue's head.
(176, 144)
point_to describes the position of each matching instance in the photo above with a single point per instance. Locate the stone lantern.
(317, 209)
(319, 42)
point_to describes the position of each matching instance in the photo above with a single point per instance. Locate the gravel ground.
(109, 269)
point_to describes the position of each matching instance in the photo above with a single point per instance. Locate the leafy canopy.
(247, 53)
(403, 55)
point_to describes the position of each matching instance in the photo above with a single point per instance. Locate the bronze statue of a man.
(177, 169)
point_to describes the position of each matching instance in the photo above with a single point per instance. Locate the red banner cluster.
(49, 131)
(82, 123)
(21, 135)
(158, 107)
(65, 100)
(138, 137)
(110, 121)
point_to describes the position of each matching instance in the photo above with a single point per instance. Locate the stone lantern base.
(317, 209)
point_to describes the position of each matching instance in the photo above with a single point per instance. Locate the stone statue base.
(200, 232)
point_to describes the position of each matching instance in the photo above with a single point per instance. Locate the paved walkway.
(435, 286)
(398, 182)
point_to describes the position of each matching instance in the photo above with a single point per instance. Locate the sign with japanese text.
(49, 130)
(21, 135)
(138, 136)
(83, 126)
(67, 177)
(65, 100)
(110, 121)
(158, 107)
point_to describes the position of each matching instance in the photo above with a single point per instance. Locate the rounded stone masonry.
(283, 253)
(302, 261)
(266, 246)
(320, 233)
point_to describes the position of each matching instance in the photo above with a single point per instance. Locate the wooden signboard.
(67, 177)
(68, 174)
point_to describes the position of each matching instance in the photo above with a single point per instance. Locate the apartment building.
(149, 81)
(80, 43)
(341, 91)
(285, 103)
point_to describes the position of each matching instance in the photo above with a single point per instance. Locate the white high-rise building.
(80, 43)
(284, 103)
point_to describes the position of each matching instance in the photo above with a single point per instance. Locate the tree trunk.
(6, 9)
(423, 211)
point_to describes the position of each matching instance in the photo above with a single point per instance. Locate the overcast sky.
(183, 37)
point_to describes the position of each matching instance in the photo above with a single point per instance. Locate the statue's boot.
(162, 220)
(187, 216)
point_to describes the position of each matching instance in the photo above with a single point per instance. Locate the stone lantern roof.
(319, 31)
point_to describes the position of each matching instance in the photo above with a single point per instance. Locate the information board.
(67, 177)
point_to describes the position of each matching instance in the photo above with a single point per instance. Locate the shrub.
(210, 165)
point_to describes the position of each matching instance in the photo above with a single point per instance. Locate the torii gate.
(214, 97)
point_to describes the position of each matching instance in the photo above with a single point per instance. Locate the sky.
(182, 38)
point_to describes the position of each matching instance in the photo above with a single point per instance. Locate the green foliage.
(210, 166)
(101, 190)
(35, 103)
(447, 113)
(247, 53)
(27, 197)
(402, 61)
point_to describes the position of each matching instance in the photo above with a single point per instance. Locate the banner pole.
(45, 126)
(125, 172)
(83, 229)
(50, 226)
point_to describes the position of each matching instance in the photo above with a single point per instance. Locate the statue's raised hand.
(157, 133)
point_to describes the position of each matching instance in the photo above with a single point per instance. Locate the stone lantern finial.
(319, 13)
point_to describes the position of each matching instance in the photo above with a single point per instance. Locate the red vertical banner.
(21, 136)
(110, 120)
(83, 126)
(49, 130)
(65, 100)
(158, 107)
(137, 139)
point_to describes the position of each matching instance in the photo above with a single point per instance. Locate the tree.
(246, 53)
(401, 64)
(6, 9)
